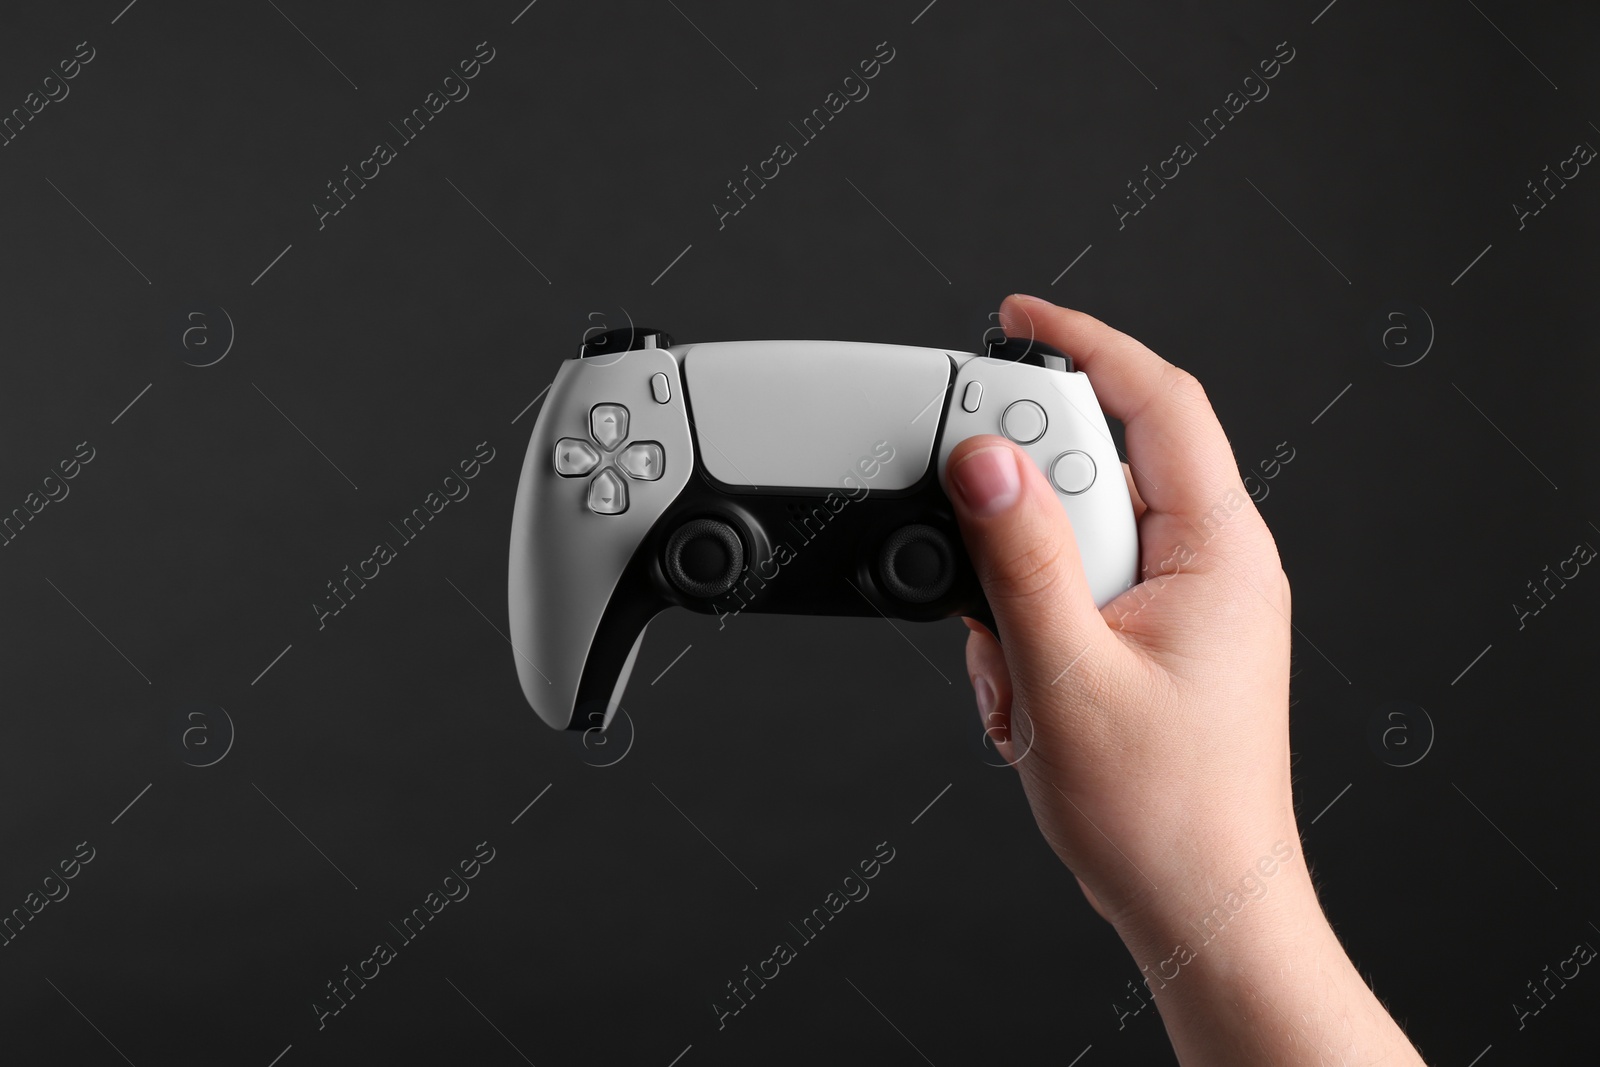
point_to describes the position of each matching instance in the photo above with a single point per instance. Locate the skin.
(1152, 736)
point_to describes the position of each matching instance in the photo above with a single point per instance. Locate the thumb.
(1021, 544)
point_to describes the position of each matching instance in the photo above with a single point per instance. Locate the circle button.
(1072, 472)
(1023, 422)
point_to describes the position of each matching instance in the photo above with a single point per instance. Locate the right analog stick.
(917, 564)
(704, 558)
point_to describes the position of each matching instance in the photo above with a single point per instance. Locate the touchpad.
(811, 414)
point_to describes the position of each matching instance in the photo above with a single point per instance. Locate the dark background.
(429, 314)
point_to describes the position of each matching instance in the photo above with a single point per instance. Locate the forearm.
(1265, 984)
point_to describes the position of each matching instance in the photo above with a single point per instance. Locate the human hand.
(1152, 736)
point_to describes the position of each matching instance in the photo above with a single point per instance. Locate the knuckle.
(1031, 568)
(1259, 553)
(1187, 387)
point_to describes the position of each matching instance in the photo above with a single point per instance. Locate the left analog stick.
(704, 558)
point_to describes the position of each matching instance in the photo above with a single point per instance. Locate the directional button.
(575, 458)
(607, 493)
(642, 461)
(609, 424)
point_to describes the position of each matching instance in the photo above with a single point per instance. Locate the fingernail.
(985, 694)
(987, 481)
(1025, 296)
(971, 624)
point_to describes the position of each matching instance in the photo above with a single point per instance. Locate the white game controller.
(797, 477)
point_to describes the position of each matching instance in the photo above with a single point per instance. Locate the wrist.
(1259, 979)
(1256, 902)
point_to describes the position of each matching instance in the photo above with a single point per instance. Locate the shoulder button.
(623, 339)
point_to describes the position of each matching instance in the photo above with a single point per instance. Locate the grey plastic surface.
(801, 414)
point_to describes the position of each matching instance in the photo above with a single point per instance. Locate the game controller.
(794, 477)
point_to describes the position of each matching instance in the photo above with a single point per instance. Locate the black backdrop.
(1343, 266)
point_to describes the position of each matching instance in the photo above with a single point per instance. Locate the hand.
(1152, 736)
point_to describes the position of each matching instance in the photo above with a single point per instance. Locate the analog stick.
(917, 564)
(704, 558)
